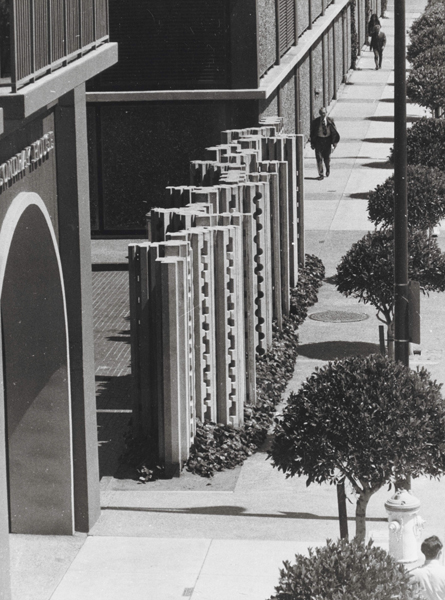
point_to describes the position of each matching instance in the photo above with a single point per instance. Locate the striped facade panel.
(302, 16)
(267, 37)
(287, 101)
(304, 86)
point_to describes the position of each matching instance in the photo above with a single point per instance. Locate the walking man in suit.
(324, 138)
(378, 43)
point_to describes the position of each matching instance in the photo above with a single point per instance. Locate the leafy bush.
(426, 198)
(425, 143)
(366, 272)
(345, 571)
(368, 419)
(432, 16)
(427, 38)
(310, 278)
(426, 82)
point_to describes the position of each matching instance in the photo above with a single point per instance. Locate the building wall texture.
(158, 138)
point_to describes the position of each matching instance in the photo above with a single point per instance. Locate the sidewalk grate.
(338, 316)
(187, 592)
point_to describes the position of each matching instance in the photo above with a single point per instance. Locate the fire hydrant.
(405, 526)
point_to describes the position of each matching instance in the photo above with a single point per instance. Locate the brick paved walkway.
(112, 358)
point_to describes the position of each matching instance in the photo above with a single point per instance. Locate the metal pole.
(401, 338)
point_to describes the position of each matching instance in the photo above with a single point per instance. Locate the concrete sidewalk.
(226, 538)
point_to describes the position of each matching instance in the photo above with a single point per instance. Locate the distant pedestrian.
(373, 21)
(378, 43)
(324, 138)
(431, 575)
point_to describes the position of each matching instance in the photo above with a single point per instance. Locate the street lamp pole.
(401, 308)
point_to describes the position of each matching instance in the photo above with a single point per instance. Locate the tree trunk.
(360, 515)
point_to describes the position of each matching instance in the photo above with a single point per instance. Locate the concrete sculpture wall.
(207, 287)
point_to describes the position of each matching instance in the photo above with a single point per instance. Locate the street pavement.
(226, 538)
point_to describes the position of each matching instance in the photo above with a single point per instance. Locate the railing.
(47, 34)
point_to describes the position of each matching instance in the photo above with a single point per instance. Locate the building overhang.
(268, 83)
(45, 91)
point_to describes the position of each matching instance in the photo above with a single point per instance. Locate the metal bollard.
(405, 526)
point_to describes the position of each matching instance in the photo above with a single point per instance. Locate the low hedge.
(345, 571)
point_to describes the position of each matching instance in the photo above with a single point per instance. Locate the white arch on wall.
(13, 215)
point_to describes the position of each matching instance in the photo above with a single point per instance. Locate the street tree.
(432, 16)
(425, 143)
(426, 199)
(366, 272)
(428, 38)
(369, 420)
(426, 81)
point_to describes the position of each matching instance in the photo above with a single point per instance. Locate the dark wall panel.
(288, 103)
(266, 34)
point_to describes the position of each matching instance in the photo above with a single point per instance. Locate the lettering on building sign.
(26, 159)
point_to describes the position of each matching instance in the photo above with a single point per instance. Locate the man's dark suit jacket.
(315, 125)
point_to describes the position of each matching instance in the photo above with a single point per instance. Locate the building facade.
(49, 482)
(188, 70)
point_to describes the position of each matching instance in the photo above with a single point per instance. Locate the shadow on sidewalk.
(234, 511)
(337, 349)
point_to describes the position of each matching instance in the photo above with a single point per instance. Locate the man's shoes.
(376, 68)
(328, 173)
(320, 177)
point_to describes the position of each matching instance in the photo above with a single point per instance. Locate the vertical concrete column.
(290, 155)
(229, 403)
(144, 414)
(186, 351)
(202, 277)
(172, 448)
(177, 196)
(255, 201)
(280, 168)
(75, 253)
(299, 139)
(271, 179)
(245, 223)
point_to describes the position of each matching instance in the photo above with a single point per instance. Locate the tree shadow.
(337, 349)
(360, 195)
(390, 119)
(379, 165)
(235, 511)
(382, 140)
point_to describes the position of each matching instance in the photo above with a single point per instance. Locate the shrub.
(426, 82)
(426, 198)
(366, 272)
(425, 143)
(427, 38)
(368, 419)
(345, 571)
(432, 16)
